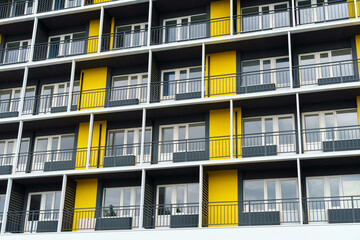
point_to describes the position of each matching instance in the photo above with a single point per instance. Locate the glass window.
(112, 197)
(254, 190)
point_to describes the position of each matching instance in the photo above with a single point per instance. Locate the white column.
(88, 152)
(231, 129)
(82, 3)
(100, 29)
(143, 128)
(201, 176)
(6, 205)
(23, 91)
(298, 123)
(149, 22)
(72, 79)
(301, 217)
(290, 61)
(36, 4)
(32, 45)
(356, 9)
(293, 13)
(231, 17)
(203, 71)
(142, 198)
(148, 90)
(17, 147)
(62, 202)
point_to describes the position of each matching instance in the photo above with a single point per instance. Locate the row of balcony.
(212, 214)
(188, 150)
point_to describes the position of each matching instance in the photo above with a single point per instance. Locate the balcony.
(43, 104)
(15, 53)
(55, 5)
(9, 107)
(12, 9)
(6, 163)
(124, 39)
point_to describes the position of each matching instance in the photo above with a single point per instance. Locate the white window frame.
(3, 160)
(61, 43)
(143, 34)
(21, 49)
(140, 87)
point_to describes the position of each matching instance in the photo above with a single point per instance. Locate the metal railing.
(65, 48)
(124, 39)
(171, 215)
(105, 218)
(261, 21)
(52, 160)
(332, 139)
(344, 209)
(7, 159)
(13, 55)
(42, 104)
(190, 31)
(16, 8)
(9, 106)
(32, 221)
(324, 12)
(47, 5)
(176, 89)
(326, 73)
(255, 212)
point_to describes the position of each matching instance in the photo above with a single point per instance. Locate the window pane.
(315, 193)
(251, 74)
(167, 137)
(67, 142)
(197, 133)
(127, 198)
(252, 131)
(282, 75)
(254, 190)
(112, 197)
(180, 194)
(334, 191)
(286, 135)
(312, 129)
(351, 185)
(193, 193)
(271, 194)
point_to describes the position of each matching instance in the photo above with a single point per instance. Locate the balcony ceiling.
(168, 6)
(43, 181)
(129, 11)
(12, 76)
(50, 71)
(20, 28)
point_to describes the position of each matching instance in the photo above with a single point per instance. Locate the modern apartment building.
(179, 119)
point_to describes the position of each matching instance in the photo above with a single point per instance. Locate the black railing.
(332, 139)
(124, 39)
(46, 104)
(261, 21)
(13, 55)
(191, 30)
(6, 163)
(9, 107)
(326, 73)
(65, 48)
(16, 8)
(324, 12)
(52, 160)
(48, 5)
(105, 218)
(32, 221)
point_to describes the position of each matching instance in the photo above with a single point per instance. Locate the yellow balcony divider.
(93, 36)
(112, 30)
(219, 15)
(358, 107)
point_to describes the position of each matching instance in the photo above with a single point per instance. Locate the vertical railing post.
(142, 142)
(62, 202)
(100, 29)
(88, 152)
(17, 147)
(300, 191)
(33, 38)
(71, 89)
(6, 205)
(290, 61)
(203, 71)
(201, 182)
(142, 199)
(231, 129)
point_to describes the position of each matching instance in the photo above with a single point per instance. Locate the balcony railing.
(16, 8)
(52, 160)
(326, 73)
(42, 104)
(6, 163)
(13, 55)
(105, 218)
(9, 107)
(332, 139)
(124, 39)
(65, 48)
(32, 221)
(190, 31)
(48, 5)
(261, 21)
(324, 12)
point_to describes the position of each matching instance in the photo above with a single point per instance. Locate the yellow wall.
(85, 197)
(111, 32)
(0, 38)
(219, 133)
(351, 9)
(220, 9)
(357, 43)
(93, 79)
(223, 190)
(97, 154)
(238, 12)
(94, 27)
(220, 64)
(358, 107)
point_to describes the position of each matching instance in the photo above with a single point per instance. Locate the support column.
(293, 13)
(231, 129)
(231, 17)
(23, 91)
(356, 9)
(149, 76)
(62, 202)
(143, 128)
(301, 217)
(203, 71)
(142, 199)
(149, 22)
(299, 132)
(36, 4)
(71, 90)
(17, 147)
(290, 61)
(201, 178)
(88, 152)
(6, 205)
(32, 44)
(100, 29)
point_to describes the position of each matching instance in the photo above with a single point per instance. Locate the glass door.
(7, 149)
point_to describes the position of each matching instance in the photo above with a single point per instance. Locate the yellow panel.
(351, 9)
(94, 27)
(221, 64)
(0, 38)
(238, 12)
(93, 79)
(220, 9)
(86, 191)
(219, 133)
(358, 107)
(112, 32)
(357, 43)
(223, 191)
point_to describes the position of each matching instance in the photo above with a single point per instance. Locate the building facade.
(150, 119)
